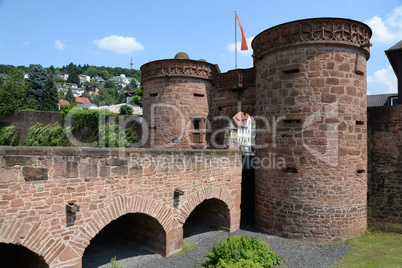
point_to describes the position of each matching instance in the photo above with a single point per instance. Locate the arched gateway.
(307, 93)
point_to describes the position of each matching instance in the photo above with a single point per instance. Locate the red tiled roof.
(82, 100)
(64, 102)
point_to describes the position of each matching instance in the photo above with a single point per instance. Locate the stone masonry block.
(13, 160)
(68, 169)
(35, 174)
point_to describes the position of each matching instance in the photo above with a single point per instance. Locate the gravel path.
(130, 255)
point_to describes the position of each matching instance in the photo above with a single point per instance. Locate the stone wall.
(40, 189)
(23, 120)
(385, 166)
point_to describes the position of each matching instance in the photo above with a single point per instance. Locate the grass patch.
(114, 263)
(187, 246)
(373, 250)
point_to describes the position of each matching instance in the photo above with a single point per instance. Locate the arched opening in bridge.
(210, 214)
(18, 256)
(240, 134)
(133, 234)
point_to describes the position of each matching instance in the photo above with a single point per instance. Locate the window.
(196, 123)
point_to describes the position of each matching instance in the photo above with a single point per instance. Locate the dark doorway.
(210, 215)
(17, 256)
(131, 235)
(247, 192)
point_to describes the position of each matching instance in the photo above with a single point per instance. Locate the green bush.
(79, 118)
(9, 136)
(126, 110)
(50, 135)
(242, 251)
(113, 136)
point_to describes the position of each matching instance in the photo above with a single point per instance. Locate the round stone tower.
(175, 102)
(311, 103)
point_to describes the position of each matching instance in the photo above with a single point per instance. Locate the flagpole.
(235, 41)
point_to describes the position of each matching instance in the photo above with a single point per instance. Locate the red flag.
(243, 35)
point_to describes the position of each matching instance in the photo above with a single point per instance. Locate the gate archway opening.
(241, 134)
(211, 214)
(133, 234)
(18, 256)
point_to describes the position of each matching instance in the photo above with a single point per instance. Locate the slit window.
(198, 95)
(290, 170)
(153, 94)
(292, 121)
(291, 71)
(359, 123)
(360, 171)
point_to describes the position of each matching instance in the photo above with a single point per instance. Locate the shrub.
(9, 136)
(83, 117)
(126, 110)
(50, 135)
(242, 251)
(113, 136)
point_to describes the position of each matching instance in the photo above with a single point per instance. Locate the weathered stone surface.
(20, 160)
(35, 174)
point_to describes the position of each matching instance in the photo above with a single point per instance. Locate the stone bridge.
(54, 201)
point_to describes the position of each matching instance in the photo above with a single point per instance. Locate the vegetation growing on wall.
(108, 133)
(9, 136)
(50, 135)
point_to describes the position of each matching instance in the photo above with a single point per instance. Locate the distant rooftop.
(380, 99)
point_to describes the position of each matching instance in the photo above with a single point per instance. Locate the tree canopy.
(50, 96)
(38, 77)
(15, 93)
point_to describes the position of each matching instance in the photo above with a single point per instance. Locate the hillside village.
(91, 92)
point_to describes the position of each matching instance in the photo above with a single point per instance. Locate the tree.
(38, 77)
(14, 93)
(70, 96)
(73, 78)
(107, 96)
(126, 110)
(110, 84)
(92, 72)
(51, 69)
(137, 98)
(50, 96)
(105, 75)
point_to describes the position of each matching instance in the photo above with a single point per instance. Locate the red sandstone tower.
(175, 101)
(307, 92)
(311, 88)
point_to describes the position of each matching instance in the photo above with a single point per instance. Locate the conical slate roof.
(392, 53)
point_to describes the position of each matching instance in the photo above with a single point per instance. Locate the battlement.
(334, 31)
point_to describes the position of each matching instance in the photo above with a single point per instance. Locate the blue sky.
(109, 33)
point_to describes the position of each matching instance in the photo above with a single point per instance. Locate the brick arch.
(220, 122)
(36, 238)
(120, 206)
(232, 110)
(196, 198)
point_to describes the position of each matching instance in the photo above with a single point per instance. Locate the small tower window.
(196, 123)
